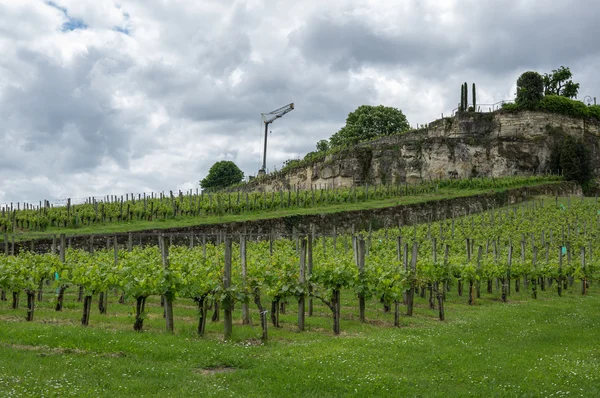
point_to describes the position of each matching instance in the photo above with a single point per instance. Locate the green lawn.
(530, 348)
(136, 226)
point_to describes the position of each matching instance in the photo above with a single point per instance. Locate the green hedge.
(563, 105)
(594, 111)
(560, 105)
(511, 107)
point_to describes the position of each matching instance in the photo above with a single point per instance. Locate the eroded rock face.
(472, 145)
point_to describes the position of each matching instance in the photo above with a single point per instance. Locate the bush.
(509, 107)
(564, 106)
(594, 111)
(559, 105)
(530, 90)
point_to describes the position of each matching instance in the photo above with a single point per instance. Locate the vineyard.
(517, 288)
(536, 246)
(144, 208)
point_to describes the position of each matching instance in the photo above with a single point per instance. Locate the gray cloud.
(63, 111)
(352, 43)
(517, 35)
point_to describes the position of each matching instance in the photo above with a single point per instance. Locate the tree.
(559, 83)
(222, 174)
(530, 90)
(368, 122)
(322, 146)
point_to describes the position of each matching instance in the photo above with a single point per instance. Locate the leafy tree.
(530, 90)
(559, 83)
(368, 122)
(322, 146)
(222, 174)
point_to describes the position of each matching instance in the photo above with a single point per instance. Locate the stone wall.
(470, 145)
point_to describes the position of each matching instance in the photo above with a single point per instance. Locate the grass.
(178, 222)
(543, 347)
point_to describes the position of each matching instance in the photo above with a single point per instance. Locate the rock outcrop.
(474, 144)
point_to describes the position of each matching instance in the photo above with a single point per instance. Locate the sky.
(103, 97)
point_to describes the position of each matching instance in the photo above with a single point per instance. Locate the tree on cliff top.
(368, 122)
(559, 83)
(530, 90)
(221, 175)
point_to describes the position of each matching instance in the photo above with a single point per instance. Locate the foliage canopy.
(221, 175)
(559, 83)
(530, 90)
(368, 122)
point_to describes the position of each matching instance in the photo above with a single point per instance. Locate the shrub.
(564, 106)
(594, 111)
(509, 107)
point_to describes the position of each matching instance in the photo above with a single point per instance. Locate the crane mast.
(269, 118)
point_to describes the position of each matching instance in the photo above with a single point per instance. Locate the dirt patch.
(215, 370)
(379, 322)
(46, 351)
(251, 343)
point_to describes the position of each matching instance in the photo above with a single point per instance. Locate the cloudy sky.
(105, 97)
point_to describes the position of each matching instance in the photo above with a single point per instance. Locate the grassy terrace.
(143, 225)
(543, 347)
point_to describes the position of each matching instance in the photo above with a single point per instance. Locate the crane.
(267, 119)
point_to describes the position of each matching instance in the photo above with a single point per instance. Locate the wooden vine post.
(431, 285)
(560, 272)
(2, 291)
(227, 306)
(441, 294)
(103, 299)
(583, 271)
(405, 268)
(413, 271)
(506, 277)
(61, 290)
(397, 302)
(360, 260)
(302, 282)
(31, 293)
(309, 258)
(534, 281)
(471, 281)
(478, 282)
(525, 276)
(104, 295)
(490, 286)
(246, 320)
(168, 294)
(544, 279)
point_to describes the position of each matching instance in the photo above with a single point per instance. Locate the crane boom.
(269, 118)
(277, 113)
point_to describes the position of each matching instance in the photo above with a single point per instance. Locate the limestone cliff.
(475, 144)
